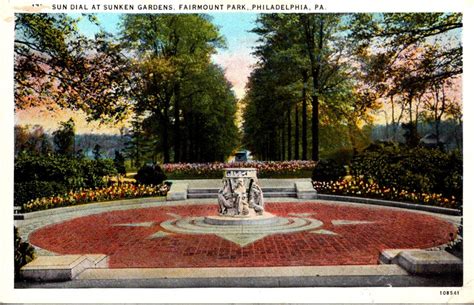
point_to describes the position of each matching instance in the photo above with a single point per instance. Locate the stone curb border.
(61, 268)
(398, 204)
(90, 206)
(270, 277)
(149, 200)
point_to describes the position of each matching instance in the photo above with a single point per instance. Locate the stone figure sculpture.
(256, 197)
(241, 200)
(226, 200)
(240, 194)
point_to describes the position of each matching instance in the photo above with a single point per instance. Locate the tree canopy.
(319, 83)
(350, 67)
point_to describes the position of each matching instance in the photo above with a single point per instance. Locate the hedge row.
(44, 176)
(413, 170)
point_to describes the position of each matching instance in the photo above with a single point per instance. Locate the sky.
(236, 59)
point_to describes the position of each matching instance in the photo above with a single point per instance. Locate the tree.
(96, 152)
(57, 66)
(32, 140)
(119, 163)
(300, 55)
(64, 138)
(405, 55)
(21, 139)
(392, 33)
(319, 36)
(439, 103)
(208, 128)
(174, 54)
(282, 43)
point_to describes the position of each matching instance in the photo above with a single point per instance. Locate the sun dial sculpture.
(240, 200)
(240, 216)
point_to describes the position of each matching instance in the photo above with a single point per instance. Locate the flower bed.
(360, 187)
(265, 169)
(115, 192)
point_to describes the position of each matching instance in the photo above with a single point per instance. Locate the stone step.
(279, 195)
(61, 268)
(202, 190)
(265, 190)
(429, 262)
(201, 195)
(278, 189)
(265, 195)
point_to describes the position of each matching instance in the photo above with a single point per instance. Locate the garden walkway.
(151, 233)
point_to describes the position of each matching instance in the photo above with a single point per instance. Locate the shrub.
(26, 191)
(73, 172)
(150, 174)
(24, 253)
(46, 168)
(94, 171)
(42, 176)
(119, 163)
(342, 156)
(419, 170)
(328, 170)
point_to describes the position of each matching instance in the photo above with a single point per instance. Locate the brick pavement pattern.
(130, 246)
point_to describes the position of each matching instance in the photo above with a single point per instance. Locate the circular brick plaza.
(306, 234)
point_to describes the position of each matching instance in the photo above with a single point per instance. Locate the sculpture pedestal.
(250, 219)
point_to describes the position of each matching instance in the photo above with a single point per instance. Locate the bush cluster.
(420, 170)
(42, 176)
(328, 170)
(24, 253)
(150, 174)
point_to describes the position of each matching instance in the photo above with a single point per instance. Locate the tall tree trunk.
(166, 144)
(297, 133)
(177, 130)
(283, 143)
(352, 138)
(394, 127)
(274, 142)
(304, 117)
(315, 73)
(186, 143)
(165, 123)
(289, 132)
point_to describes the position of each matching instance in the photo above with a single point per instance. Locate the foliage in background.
(115, 192)
(24, 253)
